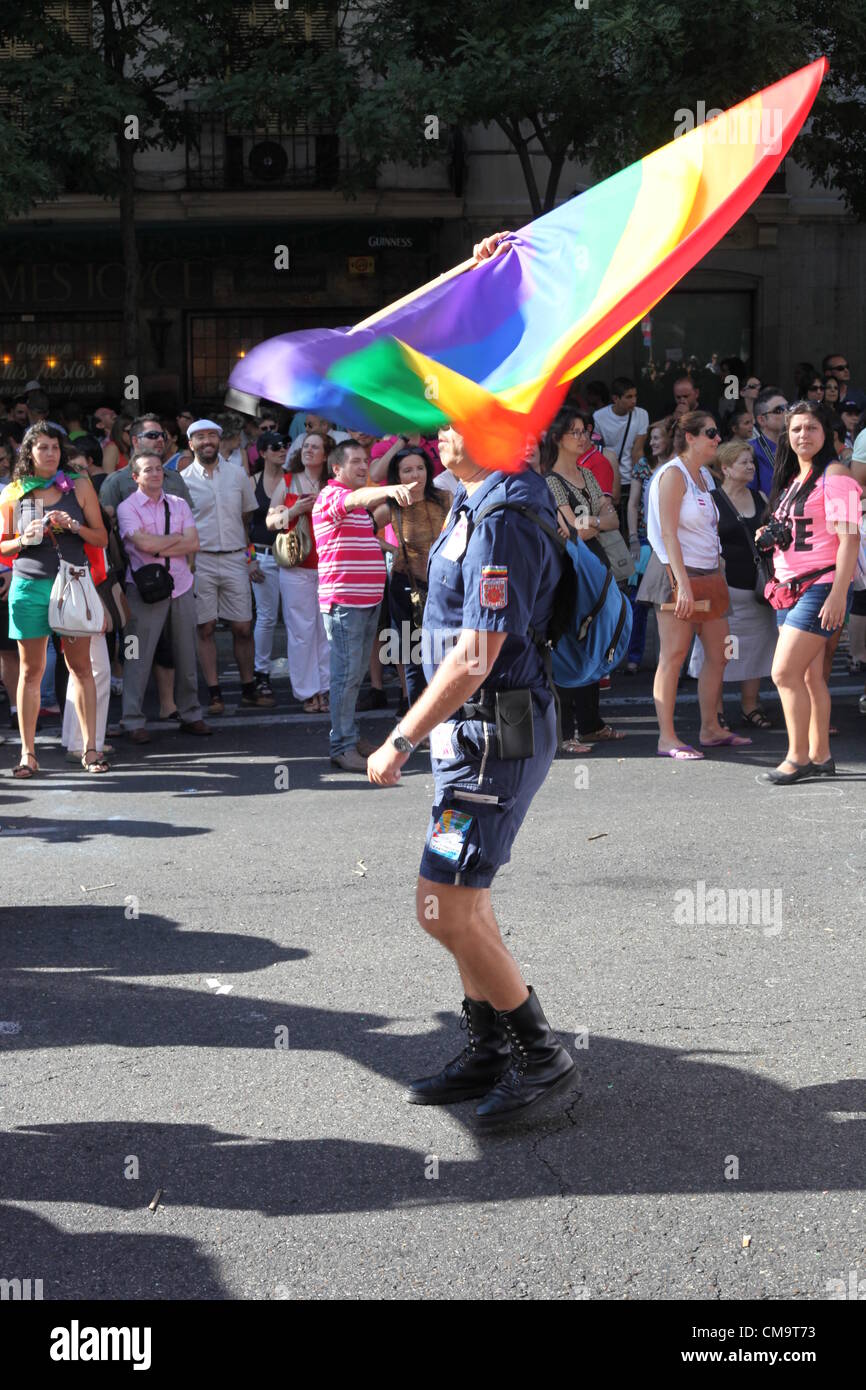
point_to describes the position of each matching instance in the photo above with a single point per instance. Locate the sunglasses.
(777, 410)
(816, 386)
(151, 434)
(753, 386)
(275, 448)
(711, 432)
(838, 367)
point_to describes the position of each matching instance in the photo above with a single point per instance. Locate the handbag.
(710, 592)
(291, 548)
(154, 582)
(619, 557)
(417, 590)
(74, 607)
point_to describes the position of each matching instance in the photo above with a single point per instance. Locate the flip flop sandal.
(683, 753)
(732, 741)
(572, 745)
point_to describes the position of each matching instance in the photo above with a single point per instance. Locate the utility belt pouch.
(515, 731)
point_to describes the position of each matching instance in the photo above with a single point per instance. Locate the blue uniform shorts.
(479, 800)
(805, 614)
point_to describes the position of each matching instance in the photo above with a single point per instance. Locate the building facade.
(242, 235)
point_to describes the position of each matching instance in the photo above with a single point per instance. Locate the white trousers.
(71, 736)
(306, 645)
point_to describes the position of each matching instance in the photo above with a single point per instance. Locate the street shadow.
(104, 1265)
(643, 1119)
(76, 831)
(102, 941)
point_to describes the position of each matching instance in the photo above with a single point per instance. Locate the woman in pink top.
(815, 510)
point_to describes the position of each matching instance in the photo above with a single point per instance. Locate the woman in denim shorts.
(815, 507)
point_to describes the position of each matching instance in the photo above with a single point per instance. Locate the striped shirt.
(351, 563)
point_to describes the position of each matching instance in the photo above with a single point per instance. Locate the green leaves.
(599, 86)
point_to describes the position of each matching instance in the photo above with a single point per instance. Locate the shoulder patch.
(494, 586)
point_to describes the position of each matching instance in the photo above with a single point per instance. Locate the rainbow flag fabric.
(492, 347)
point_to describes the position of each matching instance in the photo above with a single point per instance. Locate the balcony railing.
(219, 156)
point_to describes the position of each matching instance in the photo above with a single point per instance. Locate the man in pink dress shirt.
(151, 534)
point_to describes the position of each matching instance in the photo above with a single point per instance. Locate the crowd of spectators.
(287, 517)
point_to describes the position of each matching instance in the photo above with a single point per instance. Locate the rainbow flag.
(491, 347)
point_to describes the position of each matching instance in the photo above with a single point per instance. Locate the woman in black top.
(70, 512)
(752, 624)
(272, 451)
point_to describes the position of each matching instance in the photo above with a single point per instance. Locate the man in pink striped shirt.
(351, 584)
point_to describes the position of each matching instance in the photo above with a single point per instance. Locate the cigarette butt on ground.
(155, 1203)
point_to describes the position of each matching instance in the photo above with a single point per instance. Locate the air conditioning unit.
(297, 158)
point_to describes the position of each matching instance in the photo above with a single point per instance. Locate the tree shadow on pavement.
(105, 1264)
(644, 1119)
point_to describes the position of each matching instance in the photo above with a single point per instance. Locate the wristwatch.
(399, 741)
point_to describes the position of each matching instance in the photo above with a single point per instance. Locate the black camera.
(777, 535)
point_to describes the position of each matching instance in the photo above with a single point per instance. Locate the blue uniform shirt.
(498, 576)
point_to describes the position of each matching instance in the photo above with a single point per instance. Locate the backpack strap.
(549, 530)
(540, 640)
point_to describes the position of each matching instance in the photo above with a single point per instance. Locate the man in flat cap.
(223, 500)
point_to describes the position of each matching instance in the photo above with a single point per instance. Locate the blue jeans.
(350, 632)
(401, 612)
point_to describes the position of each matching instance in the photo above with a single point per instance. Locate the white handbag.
(74, 607)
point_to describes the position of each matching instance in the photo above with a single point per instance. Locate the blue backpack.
(590, 626)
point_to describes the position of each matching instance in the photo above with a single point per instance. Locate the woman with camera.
(813, 537)
(685, 582)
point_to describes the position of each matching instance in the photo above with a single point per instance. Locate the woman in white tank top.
(683, 530)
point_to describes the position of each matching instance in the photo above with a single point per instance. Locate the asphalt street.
(213, 988)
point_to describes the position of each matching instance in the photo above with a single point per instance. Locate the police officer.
(489, 582)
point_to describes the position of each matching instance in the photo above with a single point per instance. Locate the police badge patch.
(494, 587)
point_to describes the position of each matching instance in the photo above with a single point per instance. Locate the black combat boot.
(539, 1067)
(482, 1061)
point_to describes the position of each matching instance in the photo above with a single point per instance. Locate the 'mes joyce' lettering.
(803, 532)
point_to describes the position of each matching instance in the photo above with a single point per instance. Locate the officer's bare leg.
(462, 920)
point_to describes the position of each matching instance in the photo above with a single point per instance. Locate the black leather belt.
(237, 551)
(263, 549)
